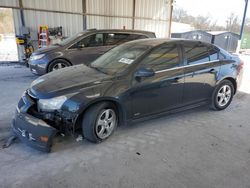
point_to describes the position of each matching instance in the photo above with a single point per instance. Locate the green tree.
(233, 23)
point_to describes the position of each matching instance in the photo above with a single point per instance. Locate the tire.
(58, 64)
(222, 95)
(96, 126)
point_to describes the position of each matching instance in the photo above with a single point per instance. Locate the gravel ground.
(195, 148)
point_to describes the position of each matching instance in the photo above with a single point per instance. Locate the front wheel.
(58, 64)
(99, 122)
(222, 95)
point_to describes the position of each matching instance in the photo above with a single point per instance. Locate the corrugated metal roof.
(70, 23)
(110, 7)
(150, 15)
(99, 22)
(156, 9)
(159, 27)
(106, 14)
(60, 5)
(9, 3)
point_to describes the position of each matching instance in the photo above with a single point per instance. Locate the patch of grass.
(245, 42)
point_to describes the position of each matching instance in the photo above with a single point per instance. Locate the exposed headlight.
(36, 57)
(51, 104)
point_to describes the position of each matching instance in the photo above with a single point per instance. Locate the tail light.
(241, 64)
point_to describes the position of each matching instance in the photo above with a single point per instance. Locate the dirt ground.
(192, 149)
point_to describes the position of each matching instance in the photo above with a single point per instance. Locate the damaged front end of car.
(36, 125)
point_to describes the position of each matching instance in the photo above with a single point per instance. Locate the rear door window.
(213, 54)
(89, 41)
(196, 54)
(115, 38)
(97, 40)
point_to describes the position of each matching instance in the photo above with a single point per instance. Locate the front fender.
(122, 111)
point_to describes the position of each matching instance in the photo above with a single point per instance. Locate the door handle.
(170, 81)
(175, 80)
(212, 71)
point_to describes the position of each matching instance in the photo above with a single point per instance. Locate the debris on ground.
(79, 138)
(9, 141)
(164, 160)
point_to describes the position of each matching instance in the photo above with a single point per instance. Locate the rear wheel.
(222, 95)
(58, 64)
(99, 122)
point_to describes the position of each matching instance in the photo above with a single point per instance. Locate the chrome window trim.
(107, 32)
(185, 66)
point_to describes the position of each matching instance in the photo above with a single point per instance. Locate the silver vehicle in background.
(82, 48)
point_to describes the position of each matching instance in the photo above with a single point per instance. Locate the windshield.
(69, 39)
(119, 58)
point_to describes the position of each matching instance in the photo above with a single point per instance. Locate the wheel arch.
(119, 107)
(232, 80)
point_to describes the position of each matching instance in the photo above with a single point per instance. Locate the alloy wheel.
(59, 66)
(106, 123)
(224, 95)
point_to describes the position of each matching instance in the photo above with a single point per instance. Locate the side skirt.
(180, 109)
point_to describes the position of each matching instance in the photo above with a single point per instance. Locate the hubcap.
(224, 95)
(106, 123)
(58, 66)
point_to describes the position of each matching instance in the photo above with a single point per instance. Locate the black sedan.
(136, 80)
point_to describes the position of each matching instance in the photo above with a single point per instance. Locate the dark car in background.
(84, 47)
(134, 81)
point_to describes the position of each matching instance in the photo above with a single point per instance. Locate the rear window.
(213, 54)
(196, 54)
(223, 54)
(200, 53)
(119, 38)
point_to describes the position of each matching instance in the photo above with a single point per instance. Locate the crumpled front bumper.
(31, 130)
(34, 132)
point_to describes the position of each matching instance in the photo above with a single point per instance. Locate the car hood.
(47, 49)
(66, 81)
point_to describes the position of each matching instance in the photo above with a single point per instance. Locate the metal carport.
(77, 15)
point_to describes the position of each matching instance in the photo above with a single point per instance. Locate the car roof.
(158, 41)
(118, 30)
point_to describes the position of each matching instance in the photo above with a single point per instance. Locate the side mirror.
(144, 72)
